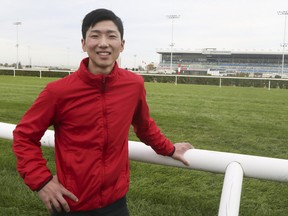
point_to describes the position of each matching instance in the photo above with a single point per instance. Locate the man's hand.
(180, 149)
(52, 196)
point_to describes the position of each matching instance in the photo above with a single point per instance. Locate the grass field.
(239, 120)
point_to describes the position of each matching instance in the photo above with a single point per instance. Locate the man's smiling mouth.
(103, 53)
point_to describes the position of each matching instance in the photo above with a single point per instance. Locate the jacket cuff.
(45, 183)
(171, 154)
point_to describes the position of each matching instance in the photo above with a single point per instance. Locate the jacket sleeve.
(147, 130)
(26, 143)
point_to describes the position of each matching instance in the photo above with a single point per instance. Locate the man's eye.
(112, 36)
(94, 36)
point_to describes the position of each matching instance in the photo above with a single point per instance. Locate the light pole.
(285, 13)
(135, 56)
(29, 57)
(172, 17)
(17, 45)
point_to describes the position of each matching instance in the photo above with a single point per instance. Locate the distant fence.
(218, 80)
(34, 72)
(170, 78)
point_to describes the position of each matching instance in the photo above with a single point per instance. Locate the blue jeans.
(118, 208)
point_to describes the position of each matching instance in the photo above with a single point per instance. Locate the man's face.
(103, 45)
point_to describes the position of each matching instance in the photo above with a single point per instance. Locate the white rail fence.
(175, 76)
(40, 71)
(220, 78)
(234, 166)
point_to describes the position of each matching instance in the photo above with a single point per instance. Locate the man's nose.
(103, 42)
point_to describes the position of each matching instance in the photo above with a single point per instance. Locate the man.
(91, 111)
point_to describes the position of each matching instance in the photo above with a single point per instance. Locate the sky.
(50, 30)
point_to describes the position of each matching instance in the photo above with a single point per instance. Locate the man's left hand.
(180, 149)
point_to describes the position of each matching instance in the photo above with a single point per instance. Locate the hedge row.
(169, 79)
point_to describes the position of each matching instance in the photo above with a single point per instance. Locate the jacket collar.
(93, 79)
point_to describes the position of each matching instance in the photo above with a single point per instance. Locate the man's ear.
(122, 44)
(83, 45)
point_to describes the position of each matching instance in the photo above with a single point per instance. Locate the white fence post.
(231, 191)
(220, 82)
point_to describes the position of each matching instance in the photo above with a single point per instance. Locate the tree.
(150, 67)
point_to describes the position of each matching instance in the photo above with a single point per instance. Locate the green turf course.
(232, 119)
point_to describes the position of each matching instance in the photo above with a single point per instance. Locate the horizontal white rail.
(211, 161)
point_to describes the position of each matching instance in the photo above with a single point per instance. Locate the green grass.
(240, 120)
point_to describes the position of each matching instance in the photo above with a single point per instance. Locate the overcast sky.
(50, 33)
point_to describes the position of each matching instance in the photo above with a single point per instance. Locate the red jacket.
(91, 115)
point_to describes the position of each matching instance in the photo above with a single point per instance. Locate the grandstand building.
(222, 62)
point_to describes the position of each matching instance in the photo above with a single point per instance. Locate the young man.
(91, 111)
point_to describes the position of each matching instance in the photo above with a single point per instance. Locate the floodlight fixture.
(284, 44)
(17, 44)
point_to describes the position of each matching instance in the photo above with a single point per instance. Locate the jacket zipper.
(105, 134)
(103, 84)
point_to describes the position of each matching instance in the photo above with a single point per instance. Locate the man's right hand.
(52, 195)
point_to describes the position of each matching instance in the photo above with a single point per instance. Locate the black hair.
(98, 15)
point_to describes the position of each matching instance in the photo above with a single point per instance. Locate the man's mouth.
(103, 53)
